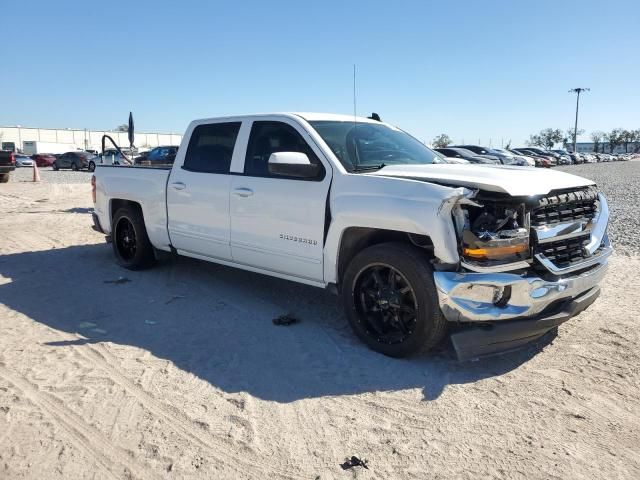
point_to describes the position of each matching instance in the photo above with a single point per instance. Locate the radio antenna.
(356, 160)
(354, 93)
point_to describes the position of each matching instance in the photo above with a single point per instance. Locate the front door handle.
(243, 192)
(178, 185)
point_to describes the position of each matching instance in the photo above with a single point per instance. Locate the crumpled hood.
(516, 181)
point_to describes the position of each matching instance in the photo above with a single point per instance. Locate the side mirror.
(292, 164)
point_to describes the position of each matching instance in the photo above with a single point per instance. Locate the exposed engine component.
(494, 231)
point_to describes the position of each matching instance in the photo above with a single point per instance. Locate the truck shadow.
(216, 323)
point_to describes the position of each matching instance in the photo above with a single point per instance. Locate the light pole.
(578, 91)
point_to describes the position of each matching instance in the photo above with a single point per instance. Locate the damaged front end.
(492, 234)
(527, 264)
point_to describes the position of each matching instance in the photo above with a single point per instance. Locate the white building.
(13, 138)
(587, 147)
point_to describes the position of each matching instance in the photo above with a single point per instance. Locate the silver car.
(24, 161)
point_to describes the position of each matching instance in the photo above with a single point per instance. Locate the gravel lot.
(620, 182)
(51, 176)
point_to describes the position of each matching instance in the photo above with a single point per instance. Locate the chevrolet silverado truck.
(7, 165)
(415, 247)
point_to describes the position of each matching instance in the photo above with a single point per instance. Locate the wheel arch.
(118, 203)
(356, 239)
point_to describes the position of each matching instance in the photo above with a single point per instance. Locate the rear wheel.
(391, 301)
(92, 166)
(4, 177)
(55, 166)
(130, 242)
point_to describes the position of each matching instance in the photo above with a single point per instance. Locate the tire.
(55, 166)
(74, 167)
(132, 253)
(411, 268)
(4, 177)
(92, 167)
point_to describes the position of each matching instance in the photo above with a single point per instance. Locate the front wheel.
(55, 166)
(131, 244)
(391, 301)
(92, 167)
(74, 167)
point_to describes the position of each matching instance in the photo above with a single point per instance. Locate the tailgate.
(5, 158)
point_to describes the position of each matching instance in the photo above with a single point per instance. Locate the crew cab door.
(277, 222)
(198, 191)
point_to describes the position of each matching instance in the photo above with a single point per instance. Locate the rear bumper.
(96, 223)
(98, 228)
(7, 168)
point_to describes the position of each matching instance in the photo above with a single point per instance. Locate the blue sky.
(475, 70)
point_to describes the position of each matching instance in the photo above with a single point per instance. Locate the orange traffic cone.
(36, 173)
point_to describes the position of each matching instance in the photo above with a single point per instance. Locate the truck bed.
(142, 184)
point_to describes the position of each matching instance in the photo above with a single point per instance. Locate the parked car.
(564, 157)
(164, 155)
(23, 161)
(551, 156)
(111, 156)
(76, 160)
(467, 155)
(542, 160)
(575, 158)
(44, 159)
(509, 158)
(7, 165)
(478, 150)
(410, 243)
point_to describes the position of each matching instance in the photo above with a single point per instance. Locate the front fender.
(387, 203)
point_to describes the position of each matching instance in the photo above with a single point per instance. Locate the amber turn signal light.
(494, 252)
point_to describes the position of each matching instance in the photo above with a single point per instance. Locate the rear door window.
(211, 147)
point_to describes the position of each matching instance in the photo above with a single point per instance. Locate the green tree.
(596, 138)
(629, 136)
(122, 128)
(546, 138)
(614, 137)
(568, 139)
(441, 141)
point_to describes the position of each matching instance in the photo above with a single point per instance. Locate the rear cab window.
(211, 147)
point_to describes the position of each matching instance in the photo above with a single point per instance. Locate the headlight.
(493, 233)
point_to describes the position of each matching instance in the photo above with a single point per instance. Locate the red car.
(44, 159)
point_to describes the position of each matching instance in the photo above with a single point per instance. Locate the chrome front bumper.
(489, 297)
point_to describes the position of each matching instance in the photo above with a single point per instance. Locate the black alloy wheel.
(126, 239)
(386, 303)
(391, 301)
(131, 244)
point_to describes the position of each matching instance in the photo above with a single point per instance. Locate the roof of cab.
(308, 116)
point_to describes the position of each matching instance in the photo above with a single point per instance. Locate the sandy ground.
(180, 373)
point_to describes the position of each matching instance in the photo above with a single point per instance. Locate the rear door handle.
(243, 192)
(178, 185)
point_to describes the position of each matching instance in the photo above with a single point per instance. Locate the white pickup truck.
(416, 247)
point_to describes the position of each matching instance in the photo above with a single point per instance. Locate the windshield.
(364, 146)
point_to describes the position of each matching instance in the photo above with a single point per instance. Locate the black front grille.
(565, 207)
(564, 253)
